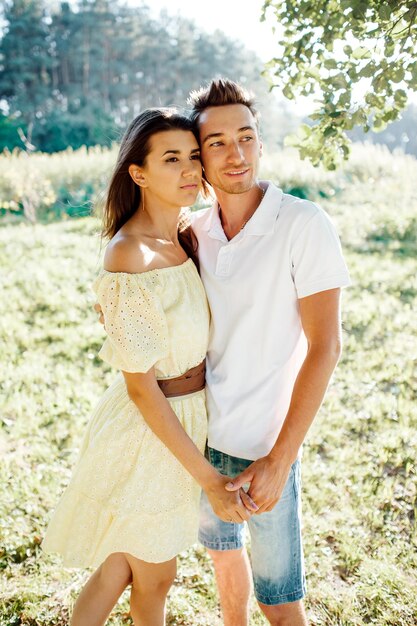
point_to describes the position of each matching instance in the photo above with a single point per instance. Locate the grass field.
(359, 465)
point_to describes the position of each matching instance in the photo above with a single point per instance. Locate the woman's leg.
(101, 592)
(150, 586)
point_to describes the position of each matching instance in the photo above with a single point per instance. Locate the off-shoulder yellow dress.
(128, 492)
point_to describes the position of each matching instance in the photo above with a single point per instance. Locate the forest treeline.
(74, 74)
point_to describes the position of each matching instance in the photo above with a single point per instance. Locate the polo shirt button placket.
(224, 259)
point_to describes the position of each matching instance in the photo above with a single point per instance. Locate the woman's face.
(172, 171)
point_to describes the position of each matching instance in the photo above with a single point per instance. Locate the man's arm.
(320, 318)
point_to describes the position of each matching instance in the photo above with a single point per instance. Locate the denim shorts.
(276, 550)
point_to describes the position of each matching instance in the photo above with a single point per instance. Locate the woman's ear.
(137, 175)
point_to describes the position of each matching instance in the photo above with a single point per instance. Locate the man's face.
(230, 147)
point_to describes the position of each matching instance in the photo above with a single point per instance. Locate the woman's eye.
(195, 157)
(172, 160)
(247, 138)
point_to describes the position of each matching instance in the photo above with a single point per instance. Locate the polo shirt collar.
(261, 222)
(214, 225)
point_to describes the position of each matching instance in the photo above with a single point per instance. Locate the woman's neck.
(158, 222)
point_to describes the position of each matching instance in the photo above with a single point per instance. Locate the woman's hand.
(97, 308)
(237, 508)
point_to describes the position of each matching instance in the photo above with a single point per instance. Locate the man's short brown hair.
(220, 92)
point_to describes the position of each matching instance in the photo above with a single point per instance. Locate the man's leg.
(290, 614)
(234, 583)
(277, 557)
(225, 544)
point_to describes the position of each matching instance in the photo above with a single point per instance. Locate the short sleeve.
(137, 334)
(316, 257)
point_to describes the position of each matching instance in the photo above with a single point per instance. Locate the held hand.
(98, 309)
(251, 506)
(228, 505)
(267, 478)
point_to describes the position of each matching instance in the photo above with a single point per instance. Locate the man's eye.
(216, 143)
(247, 138)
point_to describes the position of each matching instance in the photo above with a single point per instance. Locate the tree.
(25, 63)
(75, 72)
(357, 57)
(400, 135)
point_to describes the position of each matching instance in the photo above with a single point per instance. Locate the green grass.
(359, 468)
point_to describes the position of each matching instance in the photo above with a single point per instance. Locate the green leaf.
(384, 12)
(339, 81)
(389, 49)
(400, 96)
(330, 64)
(398, 75)
(345, 99)
(368, 70)
(361, 53)
(292, 140)
(304, 131)
(313, 72)
(330, 131)
(390, 116)
(359, 117)
(349, 123)
(380, 82)
(399, 28)
(378, 125)
(412, 67)
(288, 92)
(374, 101)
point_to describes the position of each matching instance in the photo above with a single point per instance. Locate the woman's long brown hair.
(124, 196)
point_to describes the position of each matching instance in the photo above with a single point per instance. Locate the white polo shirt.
(288, 250)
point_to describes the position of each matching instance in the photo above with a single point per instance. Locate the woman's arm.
(127, 254)
(144, 391)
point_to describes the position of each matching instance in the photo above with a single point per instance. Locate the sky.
(240, 19)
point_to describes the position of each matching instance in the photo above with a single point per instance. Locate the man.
(272, 268)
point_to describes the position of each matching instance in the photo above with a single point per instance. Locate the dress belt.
(191, 381)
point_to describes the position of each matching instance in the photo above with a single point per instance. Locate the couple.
(272, 270)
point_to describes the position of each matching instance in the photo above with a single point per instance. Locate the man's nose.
(235, 153)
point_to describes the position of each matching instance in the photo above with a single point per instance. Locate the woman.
(132, 503)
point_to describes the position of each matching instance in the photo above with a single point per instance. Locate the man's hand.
(230, 507)
(99, 310)
(267, 478)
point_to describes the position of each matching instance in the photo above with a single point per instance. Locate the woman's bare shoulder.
(127, 253)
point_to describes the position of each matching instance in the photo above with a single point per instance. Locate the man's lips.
(237, 172)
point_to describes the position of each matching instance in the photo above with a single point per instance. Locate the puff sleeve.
(137, 332)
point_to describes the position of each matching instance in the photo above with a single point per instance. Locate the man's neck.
(236, 209)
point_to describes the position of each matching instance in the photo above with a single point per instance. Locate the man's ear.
(261, 148)
(137, 175)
